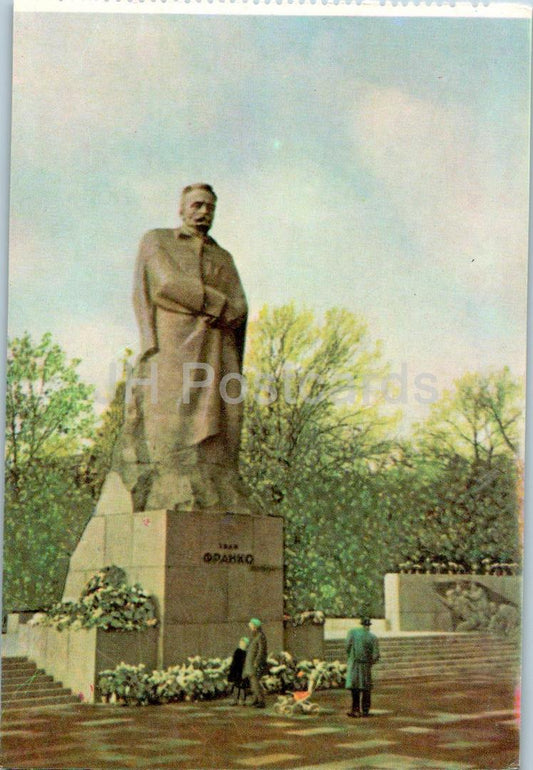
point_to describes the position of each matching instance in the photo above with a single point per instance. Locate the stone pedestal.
(208, 572)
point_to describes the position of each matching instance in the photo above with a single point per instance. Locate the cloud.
(335, 186)
(462, 199)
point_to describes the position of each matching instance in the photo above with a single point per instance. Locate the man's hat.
(366, 621)
(255, 622)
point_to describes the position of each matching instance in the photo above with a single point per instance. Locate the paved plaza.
(416, 725)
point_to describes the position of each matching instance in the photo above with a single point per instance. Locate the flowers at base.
(206, 679)
(309, 617)
(197, 679)
(106, 602)
(487, 566)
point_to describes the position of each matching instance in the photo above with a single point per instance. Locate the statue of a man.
(180, 442)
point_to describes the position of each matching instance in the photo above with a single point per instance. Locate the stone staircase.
(25, 686)
(471, 656)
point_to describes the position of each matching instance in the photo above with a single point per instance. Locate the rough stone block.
(38, 639)
(268, 541)
(23, 641)
(76, 582)
(197, 594)
(210, 640)
(12, 623)
(412, 601)
(118, 540)
(114, 497)
(149, 538)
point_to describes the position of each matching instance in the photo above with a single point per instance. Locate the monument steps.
(440, 656)
(27, 703)
(26, 686)
(34, 685)
(10, 677)
(473, 654)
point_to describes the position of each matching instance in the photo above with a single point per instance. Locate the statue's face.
(198, 210)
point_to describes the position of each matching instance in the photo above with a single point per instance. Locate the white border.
(462, 9)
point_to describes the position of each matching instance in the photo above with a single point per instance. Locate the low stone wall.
(75, 657)
(304, 642)
(337, 628)
(412, 602)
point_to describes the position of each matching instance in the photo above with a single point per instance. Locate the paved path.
(415, 726)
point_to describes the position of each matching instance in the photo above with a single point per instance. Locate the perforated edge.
(452, 8)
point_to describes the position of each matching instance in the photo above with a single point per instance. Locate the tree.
(466, 471)
(308, 408)
(479, 420)
(315, 446)
(49, 411)
(49, 422)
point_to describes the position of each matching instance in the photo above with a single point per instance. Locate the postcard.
(265, 402)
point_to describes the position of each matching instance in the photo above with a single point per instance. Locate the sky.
(377, 164)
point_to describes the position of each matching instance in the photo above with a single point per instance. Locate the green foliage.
(307, 410)
(313, 440)
(478, 420)
(465, 475)
(356, 502)
(49, 412)
(341, 535)
(42, 524)
(306, 618)
(206, 679)
(106, 602)
(49, 420)
(316, 449)
(129, 685)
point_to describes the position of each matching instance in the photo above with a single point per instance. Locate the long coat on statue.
(191, 311)
(363, 651)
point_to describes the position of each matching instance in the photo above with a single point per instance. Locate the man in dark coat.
(363, 651)
(255, 664)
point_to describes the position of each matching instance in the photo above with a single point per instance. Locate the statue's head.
(197, 207)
